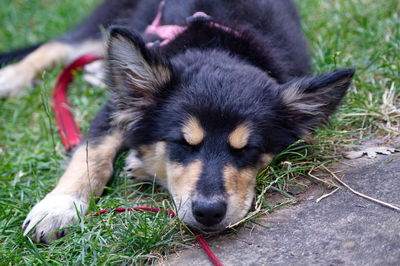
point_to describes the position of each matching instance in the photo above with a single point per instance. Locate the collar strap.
(167, 33)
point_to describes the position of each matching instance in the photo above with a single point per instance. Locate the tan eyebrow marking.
(193, 132)
(239, 137)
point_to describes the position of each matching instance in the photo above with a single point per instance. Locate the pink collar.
(167, 33)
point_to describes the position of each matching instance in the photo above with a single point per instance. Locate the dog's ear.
(308, 102)
(134, 73)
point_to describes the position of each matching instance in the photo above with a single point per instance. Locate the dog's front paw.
(13, 79)
(134, 167)
(51, 214)
(94, 74)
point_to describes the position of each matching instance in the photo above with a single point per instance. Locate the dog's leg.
(15, 77)
(85, 38)
(89, 171)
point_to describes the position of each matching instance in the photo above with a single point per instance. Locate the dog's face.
(213, 120)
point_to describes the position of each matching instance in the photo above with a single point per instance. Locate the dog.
(204, 93)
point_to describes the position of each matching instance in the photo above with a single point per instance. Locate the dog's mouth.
(208, 230)
(207, 221)
(205, 229)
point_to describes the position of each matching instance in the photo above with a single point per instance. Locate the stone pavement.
(342, 229)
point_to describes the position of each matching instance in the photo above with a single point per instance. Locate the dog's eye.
(245, 150)
(184, 144)
(192, 146)
(241, 150)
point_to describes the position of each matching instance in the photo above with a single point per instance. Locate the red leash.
(71, 135)
(67, 127)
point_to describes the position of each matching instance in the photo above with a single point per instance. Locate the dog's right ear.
(134, 73)
(308, 102)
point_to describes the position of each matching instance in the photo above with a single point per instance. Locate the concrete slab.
(342, 229)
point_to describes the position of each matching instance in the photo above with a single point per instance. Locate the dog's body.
(202, 113)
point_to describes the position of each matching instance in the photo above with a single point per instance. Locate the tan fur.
(239, 137)
(265, 158)
(90, 168)
(57, 52)
(193, 132)
(182, 180)
(238, 183)
(154, 160)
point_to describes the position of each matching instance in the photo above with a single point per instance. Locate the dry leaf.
(371, 152)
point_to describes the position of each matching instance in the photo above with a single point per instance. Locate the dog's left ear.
(135, 74)
(308, 102)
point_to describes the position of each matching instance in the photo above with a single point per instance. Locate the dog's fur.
(202, 114)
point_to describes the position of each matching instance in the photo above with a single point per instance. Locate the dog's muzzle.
(209, 212)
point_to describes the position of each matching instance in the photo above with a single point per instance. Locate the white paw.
(134, 167)
(52, 214)
(13, 80)
(94, 74)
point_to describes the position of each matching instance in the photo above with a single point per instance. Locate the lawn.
(360, 33)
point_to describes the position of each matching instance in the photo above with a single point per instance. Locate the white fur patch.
(51, 214)
(13, 79)
(134, 166)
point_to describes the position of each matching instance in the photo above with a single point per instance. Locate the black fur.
(225, 78)
(216, 79)
(324, 92)
(247, 65)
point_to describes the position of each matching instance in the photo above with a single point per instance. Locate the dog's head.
(214, 120)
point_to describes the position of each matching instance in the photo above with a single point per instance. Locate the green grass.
(360, 33)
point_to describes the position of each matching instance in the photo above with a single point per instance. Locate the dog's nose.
(209, 212)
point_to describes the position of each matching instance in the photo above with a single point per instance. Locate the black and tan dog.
(203, 112)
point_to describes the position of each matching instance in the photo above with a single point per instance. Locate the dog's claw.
(41, 236)
(25, 225)
(61, 233)
(52, 214)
